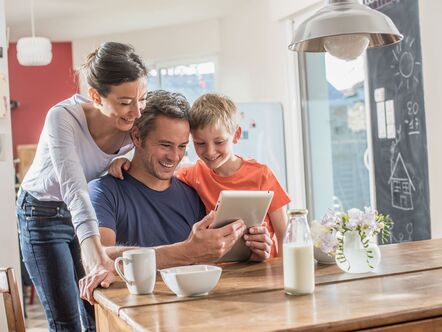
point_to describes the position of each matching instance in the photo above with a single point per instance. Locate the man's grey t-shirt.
(140, 216)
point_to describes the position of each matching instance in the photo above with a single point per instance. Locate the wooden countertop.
(245, 287)
(358, 304)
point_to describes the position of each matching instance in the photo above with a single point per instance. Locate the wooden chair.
(11, 298)
(25, 155)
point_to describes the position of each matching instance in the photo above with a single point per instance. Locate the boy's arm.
(278, 218)
(277, 214)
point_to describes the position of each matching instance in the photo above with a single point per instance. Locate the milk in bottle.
(298, 262)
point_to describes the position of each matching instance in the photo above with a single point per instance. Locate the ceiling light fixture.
(34, 51)
(345, 29)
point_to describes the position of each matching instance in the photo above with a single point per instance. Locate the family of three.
(144, 203)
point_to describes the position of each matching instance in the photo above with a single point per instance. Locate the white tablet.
(248, 205)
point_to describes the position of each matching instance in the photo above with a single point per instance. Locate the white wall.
(9, 255)
(282, 9)
(168, 43)
(252, 57)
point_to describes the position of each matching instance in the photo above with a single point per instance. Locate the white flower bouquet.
(328, 232)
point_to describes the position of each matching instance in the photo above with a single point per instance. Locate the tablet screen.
(248, 205)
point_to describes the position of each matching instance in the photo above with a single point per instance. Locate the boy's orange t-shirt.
(251, 176)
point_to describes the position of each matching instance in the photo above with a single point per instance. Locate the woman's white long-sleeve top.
(66, 159)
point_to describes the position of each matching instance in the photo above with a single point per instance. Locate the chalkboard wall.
(398, 125)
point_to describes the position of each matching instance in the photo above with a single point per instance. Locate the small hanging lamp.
(34, 51)
(345, 29)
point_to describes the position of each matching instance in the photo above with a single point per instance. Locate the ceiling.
(63, 20)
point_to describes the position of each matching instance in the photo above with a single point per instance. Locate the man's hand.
(118, 166)
(259, 242)
(206, 244)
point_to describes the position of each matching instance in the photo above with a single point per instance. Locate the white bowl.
(323, 258)
(191, 280)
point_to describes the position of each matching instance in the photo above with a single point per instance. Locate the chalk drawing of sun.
(404, 63)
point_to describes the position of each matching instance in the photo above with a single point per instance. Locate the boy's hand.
(118, 166)
(259, 242)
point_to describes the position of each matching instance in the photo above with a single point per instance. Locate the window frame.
(298, 61)
(164, 64)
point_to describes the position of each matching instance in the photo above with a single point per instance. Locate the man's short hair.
(211, 108)
(160, 102)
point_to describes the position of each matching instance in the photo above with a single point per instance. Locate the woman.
(78, 142)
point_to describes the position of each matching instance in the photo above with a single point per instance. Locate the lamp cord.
(32, 18)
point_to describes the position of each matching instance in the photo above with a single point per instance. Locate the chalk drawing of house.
(401, 186)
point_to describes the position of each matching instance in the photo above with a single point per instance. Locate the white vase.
(357, 258)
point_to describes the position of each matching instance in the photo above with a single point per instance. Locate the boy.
(214, 128)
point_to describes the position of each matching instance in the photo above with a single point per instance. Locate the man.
(150, 207)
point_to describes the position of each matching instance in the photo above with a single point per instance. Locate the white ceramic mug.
(139, 270)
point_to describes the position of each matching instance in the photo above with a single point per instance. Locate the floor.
(36, 320)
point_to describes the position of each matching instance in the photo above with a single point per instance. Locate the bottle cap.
(297, 212)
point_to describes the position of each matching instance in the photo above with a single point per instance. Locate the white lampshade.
(344, 28)
(34, 51)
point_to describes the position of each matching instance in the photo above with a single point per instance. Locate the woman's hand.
(99, 268)
(118, 166)
(100, 275)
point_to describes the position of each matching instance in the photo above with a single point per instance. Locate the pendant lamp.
(345, 29)
(34, 51)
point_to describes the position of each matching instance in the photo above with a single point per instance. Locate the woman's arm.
(61, 126)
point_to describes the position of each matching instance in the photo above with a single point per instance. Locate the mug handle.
(117, 268)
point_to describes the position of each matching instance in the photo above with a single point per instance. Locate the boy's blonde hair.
(211, 108)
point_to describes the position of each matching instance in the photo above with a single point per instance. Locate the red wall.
(37, 89)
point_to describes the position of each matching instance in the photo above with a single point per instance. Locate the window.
(406, 187)
(335, 132)
(191, 79)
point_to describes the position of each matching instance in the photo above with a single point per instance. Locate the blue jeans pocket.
(41, 224)
(41, 213)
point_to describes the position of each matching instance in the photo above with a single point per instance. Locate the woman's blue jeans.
(51, 253)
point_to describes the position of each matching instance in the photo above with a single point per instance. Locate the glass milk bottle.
(299, 266)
